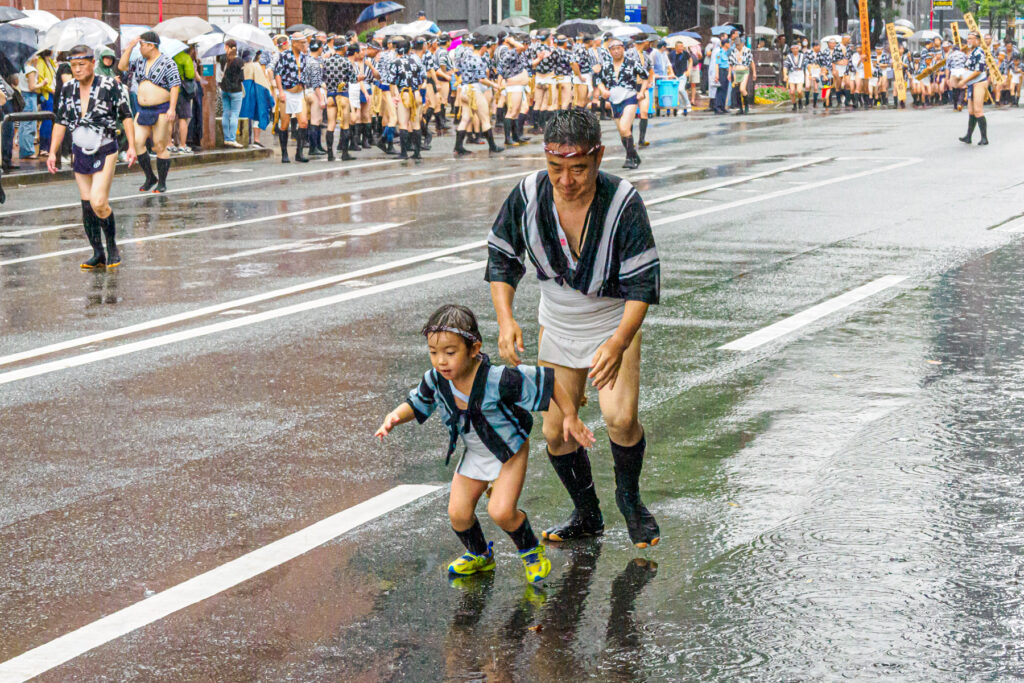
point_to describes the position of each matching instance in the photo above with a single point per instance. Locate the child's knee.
(461, 516)
(502, 514)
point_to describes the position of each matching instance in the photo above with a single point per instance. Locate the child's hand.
(573, 426)
(390, 421)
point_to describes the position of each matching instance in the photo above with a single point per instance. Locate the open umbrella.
(606, 24)
(925, 35)
(625, 31)
(688, 34)
(798, 32)
(418, 28)
(765, 31)
(300, 28)
(209, 44)
(379, 9)
(646, 28)
(492, 30)
(37, 20)
(252, 36)
(517, 22)
(130, 32)
(905, 22)
(687, 41)
(17, 44)
(903, 31)
(168, 46)
(824, 41)
(183, 28)
(10, 14)
(723, 29)
(64, 35)
(393, 30)
(575, 27)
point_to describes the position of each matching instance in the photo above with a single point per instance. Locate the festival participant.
(794, 68)
(473, 71)
(487, 408)
(443, 73)
(91, 107)
(621, 80)
(881, 63)
(818, 62)
(409, 77)
(384, 65)
(956, 63)
(367, 75)
(976, 82)
(314, 97)
(637, 53)
(1015, 79)
(588, 237)
(159, 83)
(840, 68)
(339, 75)
(513, 68)
(584, 57)
(741, 62)
(288, 71)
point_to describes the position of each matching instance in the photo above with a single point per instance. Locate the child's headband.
(433, 329)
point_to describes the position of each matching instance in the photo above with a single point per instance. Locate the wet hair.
(455, 319)
(150, 37)
(573, 127)
(81, 52)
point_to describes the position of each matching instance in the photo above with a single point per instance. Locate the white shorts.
(694, 76)
(959, 73)
(872, 82)
(545, 80)
(926, 80)
(1014, 79)
(477, 462)
(586, 80)
(797, 78)
(293, 102)
(860, 72)
(515, 88)
(575, 325)
(841, 69)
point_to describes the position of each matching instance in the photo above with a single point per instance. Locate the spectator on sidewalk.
(232, 92)
(183, 110)
(46, 85)
(27, 129)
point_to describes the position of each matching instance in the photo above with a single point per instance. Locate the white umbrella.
(168, 46)
(183, 28)
(824, 41)
(607, 24)
(765, 31)
(925, 35)
(687, 41)
(37, 20)
(64, 35)
(393, 30)
(253, 36)
(798, 32)
(625, 31)
(418, 28)
(206, 41)
(905, 22)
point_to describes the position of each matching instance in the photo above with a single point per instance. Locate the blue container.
(668, 93)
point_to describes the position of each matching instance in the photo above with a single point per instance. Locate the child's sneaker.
(536, 565)
(471, 564)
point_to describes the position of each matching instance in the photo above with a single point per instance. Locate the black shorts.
(148, 116)
(88, 164)
(183, 109)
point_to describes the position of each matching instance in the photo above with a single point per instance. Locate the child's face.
(450, 355)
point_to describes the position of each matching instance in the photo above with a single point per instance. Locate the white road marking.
(35, 231)
(213, 328)
(69, 646)
(1013, 227)
(803, 318)
(210, 186)
(780, 193)
(275, 217)
(236, 303)
(736, 181)
(311, 242)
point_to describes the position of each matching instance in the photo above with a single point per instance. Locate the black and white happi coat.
(618, 258)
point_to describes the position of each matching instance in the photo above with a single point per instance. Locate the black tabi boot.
(282, 137)
(983, 127)
(426, 137)
(109, 228)
(330, 145)
(520, 125)
(300, 144)
(643, 133)
(506, 124)
(972, 121)
(313, 138)
(417, 144)
(147, 168)
(91, 223)
(460, 139)
(629, 460)
(586, 520)
(491, 145)
(389, 145)
(162, 168)
(403, 140)
(814, 105)
(632, 160)
(344, 146)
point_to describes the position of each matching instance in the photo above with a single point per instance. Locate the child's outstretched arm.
(572, 425)
(399, 415)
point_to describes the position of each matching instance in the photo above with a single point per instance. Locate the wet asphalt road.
(838, 502)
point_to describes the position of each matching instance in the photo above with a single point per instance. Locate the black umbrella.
(575, 27)
(17, 44)
(10, 14)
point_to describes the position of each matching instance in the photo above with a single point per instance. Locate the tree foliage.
(550, 13)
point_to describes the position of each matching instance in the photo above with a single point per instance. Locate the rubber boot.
(92, 233)
(147, 168)
(507, 125)
(629, 460)
(417, 144)
(345, 134)
(460, 139)
(109, 227)
(491, 145)
(520, 129)
(403, 139)
(300, 143)
(426, 137)
(282, 137)
(643, 133)
(162, 167)
(632, 158)
(972, 120)
(313, 140)
(586, 520)
(330, 145)
(983, 127)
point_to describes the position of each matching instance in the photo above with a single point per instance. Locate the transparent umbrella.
(37, 20)
(183, 28)
(64, 35)
(252, 36)
(518, 22)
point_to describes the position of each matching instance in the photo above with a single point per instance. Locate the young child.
(489, 408)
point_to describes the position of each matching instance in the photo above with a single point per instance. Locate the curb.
(217, 156)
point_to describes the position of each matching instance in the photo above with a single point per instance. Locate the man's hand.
(510, 342)
(171, 115)
(604, 368)
(51, 163)
(392, 419)
(130, 156)
(572, 426)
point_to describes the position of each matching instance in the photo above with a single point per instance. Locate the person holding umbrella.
(159, 84)
(92, 106)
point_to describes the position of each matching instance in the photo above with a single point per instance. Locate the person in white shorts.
(288, 74)
(588, 236)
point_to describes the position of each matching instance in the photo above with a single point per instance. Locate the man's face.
(148, 50)
(573, 177)
(617, 50)
(82, 69)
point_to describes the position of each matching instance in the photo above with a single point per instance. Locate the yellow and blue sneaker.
(471, 563)
(536, 565)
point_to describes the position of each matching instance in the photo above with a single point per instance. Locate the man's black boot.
(313, 138)
(490, 141)
(300, 143)
(162, 167)
(417, 144)
(403, 139)
(109, 227)
(330, 145)
(574, 472)
(506, 124)
(282, 137)
(983, 127)
(460, 139)
(91, 223)
(972, 121)
(344, 146)
(147, 168)
(629, 460)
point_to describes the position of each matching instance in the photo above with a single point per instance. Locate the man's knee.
(100, 206)
(621, 423)
(554, 436)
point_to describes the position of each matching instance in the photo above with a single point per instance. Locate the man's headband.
(569, 155)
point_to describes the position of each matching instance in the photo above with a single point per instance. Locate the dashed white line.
(804, 318)
(69, 646)
(37, 230)
(312, 242)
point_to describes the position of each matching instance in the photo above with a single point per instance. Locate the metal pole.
(245, 12)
